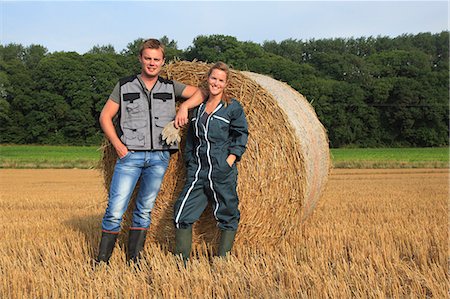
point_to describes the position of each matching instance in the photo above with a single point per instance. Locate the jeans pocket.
(164, 156)
(127, 155)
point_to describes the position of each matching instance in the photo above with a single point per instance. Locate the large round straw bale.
(281, 175)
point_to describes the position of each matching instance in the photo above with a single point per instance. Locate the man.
(133, 119)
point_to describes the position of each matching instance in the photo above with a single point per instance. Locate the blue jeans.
(150, 166)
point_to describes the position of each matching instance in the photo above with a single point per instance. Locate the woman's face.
(217, 81)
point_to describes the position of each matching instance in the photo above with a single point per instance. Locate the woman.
(216, 140)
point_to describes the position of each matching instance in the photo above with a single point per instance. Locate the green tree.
(16, 85)
(12, 52)
(171, 49)
(104, 72)
(211, 48)
(400, 63)
(368, 91)
(33, 55)
(44, 116)
(108, 49)
(67, 76)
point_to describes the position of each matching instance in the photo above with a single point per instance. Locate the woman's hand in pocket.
(231, 159)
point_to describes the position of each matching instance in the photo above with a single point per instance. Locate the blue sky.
(80, 25)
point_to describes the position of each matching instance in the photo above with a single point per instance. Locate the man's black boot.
(136, 241)
(106, 247)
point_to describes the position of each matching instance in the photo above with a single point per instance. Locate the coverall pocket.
(222, 122)
(218, 128)
(223, 169)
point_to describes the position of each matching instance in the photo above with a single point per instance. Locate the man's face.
(151, 62)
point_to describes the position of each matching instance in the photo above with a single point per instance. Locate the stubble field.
(375, 234)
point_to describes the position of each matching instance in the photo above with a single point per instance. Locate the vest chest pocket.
(164, 104)
(163, 96)
(134, 132)
(133, 104)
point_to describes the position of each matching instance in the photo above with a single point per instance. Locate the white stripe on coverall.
(196, 173)
(222, 119)
(210, 163)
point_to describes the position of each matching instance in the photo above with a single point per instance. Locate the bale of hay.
(281, 175)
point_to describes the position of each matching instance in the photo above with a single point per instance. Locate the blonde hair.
(152, 43)
(217, 66)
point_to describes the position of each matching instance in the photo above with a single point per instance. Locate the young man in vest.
(132, 119)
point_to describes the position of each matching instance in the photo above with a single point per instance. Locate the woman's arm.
(238, 134)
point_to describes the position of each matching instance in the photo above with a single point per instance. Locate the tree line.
(368, 91)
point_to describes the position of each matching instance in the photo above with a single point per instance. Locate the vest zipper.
(149, 100)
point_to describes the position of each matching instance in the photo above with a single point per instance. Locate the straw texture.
(281, 176)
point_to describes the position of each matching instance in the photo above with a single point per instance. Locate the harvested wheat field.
(374, 234)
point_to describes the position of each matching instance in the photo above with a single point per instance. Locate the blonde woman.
(216, 139)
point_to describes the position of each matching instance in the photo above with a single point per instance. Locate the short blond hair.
(152, 43)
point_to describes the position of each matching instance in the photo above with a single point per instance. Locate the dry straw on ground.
(374, 234)
(281, 176)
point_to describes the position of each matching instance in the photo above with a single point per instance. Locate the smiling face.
(151, 62)
(217, 81)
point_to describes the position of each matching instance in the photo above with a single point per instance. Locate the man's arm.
(108, 112)
(188, 91)
(194, 98)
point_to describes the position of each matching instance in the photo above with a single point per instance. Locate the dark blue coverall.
(210, 139)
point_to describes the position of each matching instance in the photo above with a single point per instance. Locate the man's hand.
(108, 112)
(195, 97)
(182, 117)
(121, 149)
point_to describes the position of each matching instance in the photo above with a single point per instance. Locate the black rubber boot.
(183, 243)
(226, 241)
(136, 241)
(106, 247)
